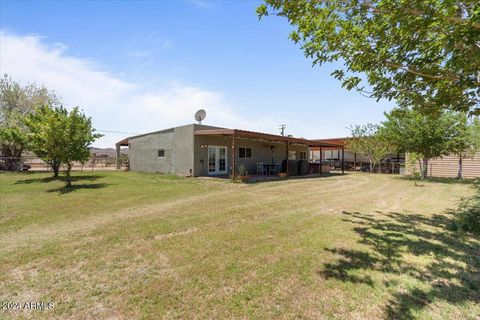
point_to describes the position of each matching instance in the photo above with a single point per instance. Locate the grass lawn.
(129, 245)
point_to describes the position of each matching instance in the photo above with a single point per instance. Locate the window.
(303, 155)
(292, 155)
(161, 153)
(244, 153)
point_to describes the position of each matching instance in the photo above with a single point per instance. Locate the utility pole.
(282, 128)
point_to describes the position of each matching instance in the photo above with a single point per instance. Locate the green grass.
(129, 245)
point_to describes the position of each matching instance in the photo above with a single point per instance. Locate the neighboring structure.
(334, 157)
(200, 150)
(448, 166)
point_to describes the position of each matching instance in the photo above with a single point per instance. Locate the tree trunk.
(460, 167)
(12, 157)
(424, 168)
(69, 179)
(371, 166)
(55, 167)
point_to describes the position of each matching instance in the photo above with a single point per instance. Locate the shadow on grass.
(453, 276)
(74, 187)
(60, 178)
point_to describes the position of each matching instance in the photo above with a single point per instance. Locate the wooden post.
(286, 155)
(355, 161)
(234, 164)
(343, 160)
(118, 163)
(320, 161)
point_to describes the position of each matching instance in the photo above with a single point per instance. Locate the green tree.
(466, 140)
(77, 133)
(427, 136)
(421, 53)
(367, 141)
(16, 102)
(60, 136)
(44, 134)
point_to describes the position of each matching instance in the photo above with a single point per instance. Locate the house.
(334, 157)
(200, 150)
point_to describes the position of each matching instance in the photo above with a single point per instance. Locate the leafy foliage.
(467, 216)
(16, 102)
(420, 53)
(61, 137)
(428, 136)
(367, 141)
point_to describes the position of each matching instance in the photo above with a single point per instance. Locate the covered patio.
(287, 144)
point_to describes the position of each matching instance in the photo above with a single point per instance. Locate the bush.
(467, 216)
(242, 170)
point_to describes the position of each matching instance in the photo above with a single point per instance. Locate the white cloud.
(114, 104)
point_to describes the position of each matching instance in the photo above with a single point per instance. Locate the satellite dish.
(200, 115)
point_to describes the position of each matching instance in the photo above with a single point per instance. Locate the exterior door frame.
(217, 160)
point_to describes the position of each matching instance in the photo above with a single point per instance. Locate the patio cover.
(264, 136)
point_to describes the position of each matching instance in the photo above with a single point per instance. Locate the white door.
(217, 160)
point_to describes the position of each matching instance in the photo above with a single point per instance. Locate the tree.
(427, 136)
(44, 135)
(367, 141)
(466, 140)
(17, 101)
(421, 53)
(61, 137)
(76, 134)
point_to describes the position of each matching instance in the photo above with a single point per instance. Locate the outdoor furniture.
(261, 170)
(271, 169)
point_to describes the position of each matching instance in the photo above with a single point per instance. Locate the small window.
(161, 153)
(303, 155)
(292, 155)
(244, 153)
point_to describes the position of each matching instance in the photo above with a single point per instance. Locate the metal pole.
(343, 160)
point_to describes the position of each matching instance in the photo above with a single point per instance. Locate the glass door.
(217, 160)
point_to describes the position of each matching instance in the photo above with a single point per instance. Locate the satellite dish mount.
(200, 115)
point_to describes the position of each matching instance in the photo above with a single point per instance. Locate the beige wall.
(261, 152)
(447, 166)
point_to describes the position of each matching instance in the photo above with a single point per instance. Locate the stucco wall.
(261, 151)
(178, 145)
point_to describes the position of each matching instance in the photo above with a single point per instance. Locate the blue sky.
(146, 65)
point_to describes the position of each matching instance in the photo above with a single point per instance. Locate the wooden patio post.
(234, 171)
(343, 160)
(118, 163)
(286, 156)
(320, 161)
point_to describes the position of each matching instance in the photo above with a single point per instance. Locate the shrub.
(242, 170)
(467, 216)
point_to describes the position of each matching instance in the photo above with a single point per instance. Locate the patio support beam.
(286, 157)
(320, 161)
(118, 163)
(234, 164)
(343, 160)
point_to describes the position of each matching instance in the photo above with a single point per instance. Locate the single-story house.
(201, 150)
(339, 153)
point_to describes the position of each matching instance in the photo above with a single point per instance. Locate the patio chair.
(260, 169)
(273, 170)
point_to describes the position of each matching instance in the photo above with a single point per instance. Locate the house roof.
(123, 142)
(264, 136)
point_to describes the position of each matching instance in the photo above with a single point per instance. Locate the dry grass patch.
(151, 246)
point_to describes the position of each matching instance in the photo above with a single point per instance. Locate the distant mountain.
(107, 151)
